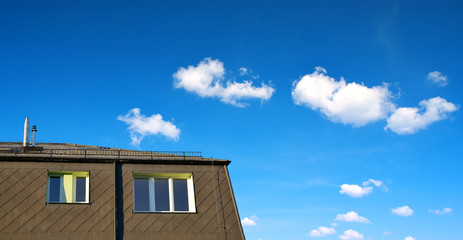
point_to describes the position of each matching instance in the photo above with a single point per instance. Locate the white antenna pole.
(26, 133)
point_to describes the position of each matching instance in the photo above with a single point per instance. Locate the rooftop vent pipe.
(34, 132)
(26, 133)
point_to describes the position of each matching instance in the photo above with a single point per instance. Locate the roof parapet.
(97, 152)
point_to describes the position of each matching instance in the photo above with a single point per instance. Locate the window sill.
(66, 203)
(178, 212)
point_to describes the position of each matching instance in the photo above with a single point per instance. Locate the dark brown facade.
(25, 212)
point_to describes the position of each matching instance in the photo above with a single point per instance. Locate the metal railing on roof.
(97, 152)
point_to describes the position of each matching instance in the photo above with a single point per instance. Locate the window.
(67, 187)
(163, 193)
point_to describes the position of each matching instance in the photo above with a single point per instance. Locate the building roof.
(67, 152)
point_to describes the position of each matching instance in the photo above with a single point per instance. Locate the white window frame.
(62, 195)
(170, 177)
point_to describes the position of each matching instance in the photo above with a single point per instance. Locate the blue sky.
(308, 99)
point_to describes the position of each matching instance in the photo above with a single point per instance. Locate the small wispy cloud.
(351, 217)
(141, 126)
(248, 73)
(404, 211)
(321, 232)
(409, 120)
(243, 71)
(207, 80)
(351, 235)
(249, 221)
(437, 78)
(444, 211)
(357, 191)
(387, 233)
(348, 103)
(409, 238)
(377, 183)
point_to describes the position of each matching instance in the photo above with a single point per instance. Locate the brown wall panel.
(24, 213)
(213, 203)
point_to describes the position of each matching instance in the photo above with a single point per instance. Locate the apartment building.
(71, 191)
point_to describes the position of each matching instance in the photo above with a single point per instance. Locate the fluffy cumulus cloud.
(437, 78)
(404, 211)
(141, 126)
(321, 232)
(351, 235)
(207, 80)
(355, 190)
(408, 120)
(351, 217)
(441, 212)
(249, 221)
(348, 103)
(409, 238)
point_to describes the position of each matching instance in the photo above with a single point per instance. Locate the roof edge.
(114, 159)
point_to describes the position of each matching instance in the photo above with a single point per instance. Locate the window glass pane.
(81, 189)
(141, 194)
(180, 195)
(55, 182)
(161, 195)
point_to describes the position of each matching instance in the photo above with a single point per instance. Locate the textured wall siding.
(213, 204)
(24, 213)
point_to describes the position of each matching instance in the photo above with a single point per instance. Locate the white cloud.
(409, 238)
(355, 190)
(442, 212)
(251, 221)
(351, 217)
(247, 72)
(348, 103)
(408, 120)
(404, 211)
(248, 222)
(437, 78)
(321, 232)
(351, 235)
(243, 71)
(377, 183)
(206, 80)
(387, 233)
(141, 126)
